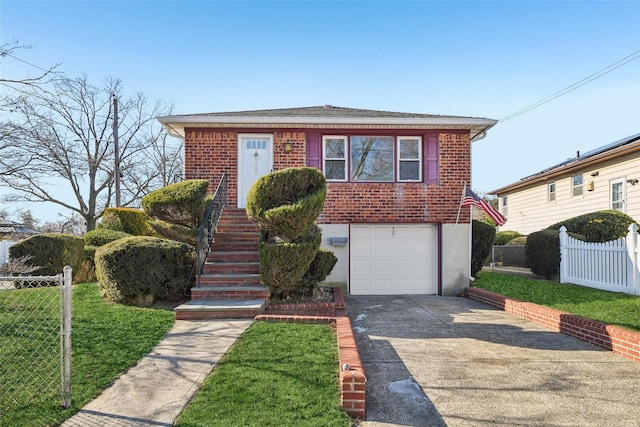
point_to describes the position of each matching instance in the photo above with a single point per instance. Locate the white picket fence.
(611, 266)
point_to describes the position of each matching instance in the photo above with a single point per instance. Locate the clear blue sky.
(479, 58)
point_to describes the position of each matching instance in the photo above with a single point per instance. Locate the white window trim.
(345, 159)
(624, 194)
(574, 187)
(419, 159)
(554, 192)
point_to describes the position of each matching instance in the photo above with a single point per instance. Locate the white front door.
(255, 159)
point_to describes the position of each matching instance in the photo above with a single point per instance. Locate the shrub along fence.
(35, 339)
(610, 266)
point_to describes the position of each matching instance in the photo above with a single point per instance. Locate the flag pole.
(464, 191)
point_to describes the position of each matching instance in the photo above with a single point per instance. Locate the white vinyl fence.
(610, 266)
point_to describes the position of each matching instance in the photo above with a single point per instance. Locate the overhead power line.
(597, 74)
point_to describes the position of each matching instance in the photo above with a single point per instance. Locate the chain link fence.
(35, 339)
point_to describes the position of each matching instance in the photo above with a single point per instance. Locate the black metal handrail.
(207, 230)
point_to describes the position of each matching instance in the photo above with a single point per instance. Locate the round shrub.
(543, 252)
(181, 203)
(503, 237)
(600, 226)
(51, 251)
(127, 220)
(482, 235)
(133, 269)
(286, 202)
(102, 236)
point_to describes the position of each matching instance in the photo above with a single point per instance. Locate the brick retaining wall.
(622, 341)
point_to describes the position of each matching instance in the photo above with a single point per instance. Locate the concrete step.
(233, 279)
(228, 293)
(220, 309)
(220, 267)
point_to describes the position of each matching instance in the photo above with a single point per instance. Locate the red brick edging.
(622, 341)
(352, 377)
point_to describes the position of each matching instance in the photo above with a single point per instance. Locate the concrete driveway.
(451, 361)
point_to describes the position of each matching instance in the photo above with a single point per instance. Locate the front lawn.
(107, 339)
(276, 374)
(608, 307)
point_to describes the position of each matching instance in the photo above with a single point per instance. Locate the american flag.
(472, 199)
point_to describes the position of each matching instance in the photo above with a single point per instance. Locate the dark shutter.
(314, 153)
(430, 158)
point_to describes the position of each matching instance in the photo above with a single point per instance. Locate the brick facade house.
(394, 184)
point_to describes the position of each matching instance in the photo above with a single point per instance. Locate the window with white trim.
(335, 157)
(409, 158)
(551, 192)
(576, 185)
(505, 206)
(617, 195)
(372, 158)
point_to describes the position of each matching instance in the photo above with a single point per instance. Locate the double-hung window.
(409, 158)
(335, 157)
(551, 192)
(372, 158)
(576, 187)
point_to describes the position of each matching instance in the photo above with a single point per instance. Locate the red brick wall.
(209, 153)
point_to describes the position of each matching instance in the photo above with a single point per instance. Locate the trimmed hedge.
(51, 251)
(176, 232)
(482, 236)
(283, 264)
(286, 202)
(319, 269)
(132, 269)
(127, 220)
(600, 226)
(543, 252)
(503, 237)
(102, 236)
(181, 203)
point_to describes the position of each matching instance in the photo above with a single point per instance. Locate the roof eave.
(578, 164)
(177, 124)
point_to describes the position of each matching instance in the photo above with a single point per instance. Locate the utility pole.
(116, 149)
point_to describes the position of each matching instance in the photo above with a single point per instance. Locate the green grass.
(608, 307)
(107, 339)
(276, 374)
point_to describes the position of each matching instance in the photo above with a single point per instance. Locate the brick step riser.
(235, 228)
(230, 281)
(209, 315)
(232, 257)
(222, 294)
(234, 247)
(237, 237)
(224, 268)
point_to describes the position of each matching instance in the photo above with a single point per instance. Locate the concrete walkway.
(157, 389)
(450, 361)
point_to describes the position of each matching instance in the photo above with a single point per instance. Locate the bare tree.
(46, 75)
(62, 137)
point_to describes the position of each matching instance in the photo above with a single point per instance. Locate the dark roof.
(321, 111)
(581, 159)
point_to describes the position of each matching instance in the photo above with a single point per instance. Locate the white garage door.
(389, 259)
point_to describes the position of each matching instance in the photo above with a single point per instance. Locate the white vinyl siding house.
(600, 180)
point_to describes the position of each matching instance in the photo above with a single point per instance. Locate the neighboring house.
(394, 184)
(602, 179)
(10, 233)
